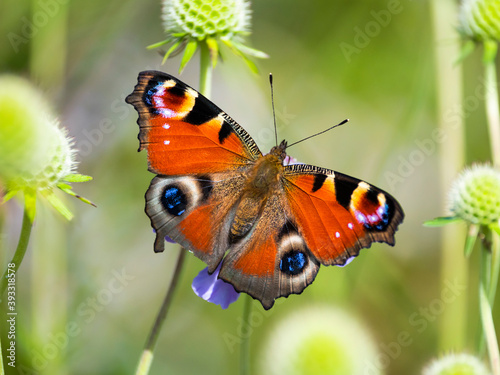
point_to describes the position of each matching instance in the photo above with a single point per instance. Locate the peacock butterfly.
(271, 225)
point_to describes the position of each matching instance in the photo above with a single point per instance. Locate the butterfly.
(271, 225)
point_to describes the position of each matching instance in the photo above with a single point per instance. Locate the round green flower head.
(36, 155)
(202, 19)
(23, 128)
(35, 152)
(56, 162)
(475, 195)
(456, 364)
(320, 340)
(480, 19)
(191, 24)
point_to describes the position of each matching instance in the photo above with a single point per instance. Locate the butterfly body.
(271, 225)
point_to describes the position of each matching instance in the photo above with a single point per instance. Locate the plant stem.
(205, 70)
(22, 245)
(484, 282)
(495, 267)
(492, 111)
(2, 371)
(48, 48)
(489, 331)
(147, 354)
(453, 321)
(245, 340)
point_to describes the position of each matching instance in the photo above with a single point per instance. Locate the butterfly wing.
(201, 156)
(184, 132)
(274, 260)
(194, 212)
(337, 214)
(204, 160)
(319, 217)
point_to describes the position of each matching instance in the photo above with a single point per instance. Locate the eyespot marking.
(293, 262)
(174, 200)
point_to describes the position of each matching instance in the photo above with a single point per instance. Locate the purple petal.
(290, 160)
(212, 289)
(349, 260)
(168, 239)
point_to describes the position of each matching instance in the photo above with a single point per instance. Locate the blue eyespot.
(377, 221)
(293, 262)
(174, 200)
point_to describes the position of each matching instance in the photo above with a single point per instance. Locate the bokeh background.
(92, 287)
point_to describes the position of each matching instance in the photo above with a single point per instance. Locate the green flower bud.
(456, 364)
(24, 128)
(475, 195)
(35, 152)
(191, 24)
(480, 19)
(54, 165)
(320, 340)
(201, 19)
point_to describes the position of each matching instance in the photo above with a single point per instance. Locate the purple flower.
(290, 160)
(349, 260)
(212, 289)
(169, 240)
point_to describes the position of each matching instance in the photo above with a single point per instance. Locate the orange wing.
(274, 261)
(184, 132)
(338, 214)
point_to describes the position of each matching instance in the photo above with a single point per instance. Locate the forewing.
(184, 132)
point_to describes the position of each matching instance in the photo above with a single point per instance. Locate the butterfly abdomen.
(262, 181)
(247, 213)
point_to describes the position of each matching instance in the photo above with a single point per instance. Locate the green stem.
(2, 371)
(492, 111)
(205, 71)
(495, 267)
(453, 321)
(22, 245)
(147, 354)
(484, 282)
(489, 331)
(48, 47)
(245, 340)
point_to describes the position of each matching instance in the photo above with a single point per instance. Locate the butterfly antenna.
(324, 131)
(272, 103)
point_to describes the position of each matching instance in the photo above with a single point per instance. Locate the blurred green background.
(85, 55)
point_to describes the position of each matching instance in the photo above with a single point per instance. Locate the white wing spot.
(166, 142)
(166, 126)
(337, 234)
(350, 226)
